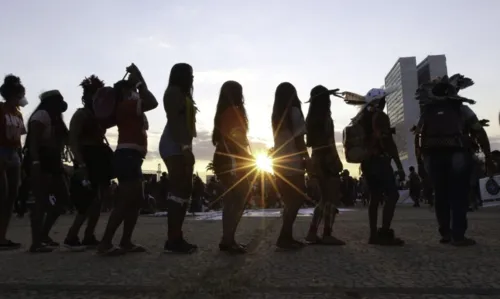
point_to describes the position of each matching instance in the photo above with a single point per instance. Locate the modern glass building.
(402, 108)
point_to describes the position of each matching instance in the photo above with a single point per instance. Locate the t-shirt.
(43, 117)
(11, 126)
(286, 151)
(132, 125)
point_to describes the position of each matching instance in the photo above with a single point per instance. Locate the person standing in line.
(444, 140)
(93, 161)
(176, 150)
(290, 159)
(326, 165)
(133, 99)
(379, 150)
(45, 142)
(11, 130)
(232, 161)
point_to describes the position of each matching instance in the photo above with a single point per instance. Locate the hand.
(135, 74)
(134, 79)
(133, 69)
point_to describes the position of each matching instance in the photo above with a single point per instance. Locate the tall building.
(431, 67)
(402, 108)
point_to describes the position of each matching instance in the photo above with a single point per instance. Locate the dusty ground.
(421, 269)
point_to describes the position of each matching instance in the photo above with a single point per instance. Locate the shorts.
(379, 175)
(168, 147)
(99, 162)
(128, 164)
(50, 161)
(10, 156)
(324, 164)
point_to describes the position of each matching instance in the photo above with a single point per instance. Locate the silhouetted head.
(53, 102)
(12, 90)
(320, 103)
(181, 76)
(412, 169)
(231, 95)
(285, 97)
(90, 86)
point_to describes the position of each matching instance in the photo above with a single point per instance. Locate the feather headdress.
(444, 88)
(91, 83)
(373, 94)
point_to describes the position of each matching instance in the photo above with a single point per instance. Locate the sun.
(263, 162)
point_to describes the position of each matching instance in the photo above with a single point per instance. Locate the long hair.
(231, 95)
(285, 98)
(11, 86)
(181, 76)
(318, 115)
(90, 86)
(319, 108)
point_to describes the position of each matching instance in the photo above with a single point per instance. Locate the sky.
(351, 45)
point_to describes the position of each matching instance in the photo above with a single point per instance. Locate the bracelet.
(186, 147)
(35, 162)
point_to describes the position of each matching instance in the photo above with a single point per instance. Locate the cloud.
(155, 41)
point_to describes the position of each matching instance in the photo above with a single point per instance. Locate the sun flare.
(263, 162)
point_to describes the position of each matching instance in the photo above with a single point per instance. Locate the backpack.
(442, 125)
(354, 139)
(104, 105)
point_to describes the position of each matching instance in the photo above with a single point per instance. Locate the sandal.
(111, 251)
(313, 240)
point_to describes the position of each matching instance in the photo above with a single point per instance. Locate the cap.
(50, 94)
(375, 94)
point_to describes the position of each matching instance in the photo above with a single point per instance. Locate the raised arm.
(148, 100)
